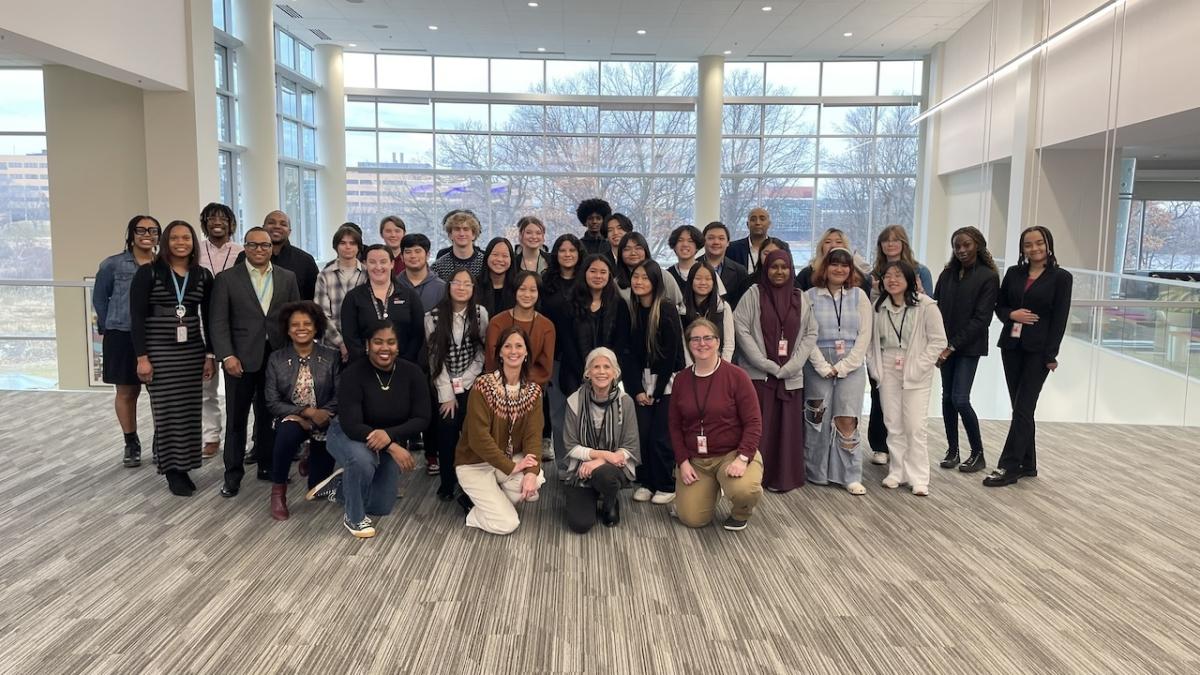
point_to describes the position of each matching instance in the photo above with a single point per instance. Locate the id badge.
(181, 333)
(1016, 330)
(456, 383)
(702, 444)
(899, 365)
(839, 347)
(783, 348)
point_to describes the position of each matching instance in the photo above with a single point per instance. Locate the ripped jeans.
(831, 456)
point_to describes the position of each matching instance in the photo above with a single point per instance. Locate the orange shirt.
(541, 344)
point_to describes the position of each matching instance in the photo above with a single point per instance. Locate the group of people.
(723, 374)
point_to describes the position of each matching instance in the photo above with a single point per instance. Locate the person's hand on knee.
(737, 468)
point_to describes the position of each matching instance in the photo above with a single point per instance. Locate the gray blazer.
(239, 327)
(751, 348)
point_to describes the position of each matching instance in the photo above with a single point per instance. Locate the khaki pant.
(211, 410)
(695, 503)
(495, 495)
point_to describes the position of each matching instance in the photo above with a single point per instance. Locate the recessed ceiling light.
(728, 52)
(641, 31)
(352, 44)
(433, 28)
(532, 4)
(767, 8)
(847, 34)
(541, 49)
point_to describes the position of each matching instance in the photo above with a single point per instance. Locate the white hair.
(602, 352)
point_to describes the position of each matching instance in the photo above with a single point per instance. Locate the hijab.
(779, 312)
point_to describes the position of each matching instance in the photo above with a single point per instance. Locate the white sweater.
(926, 343)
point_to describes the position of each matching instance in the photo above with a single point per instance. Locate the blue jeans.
(370, 478)
(958, 375)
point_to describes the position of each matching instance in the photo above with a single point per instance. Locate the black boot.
(187, 480)
(465, 502)
(133, 455)
(610, 514)
(950, 460)
(974, 463)
(177, 484)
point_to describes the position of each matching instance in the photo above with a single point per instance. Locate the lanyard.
(837, 306)
(180, 310)
(381, 307)
(696, 393)
(224, 263)
(778, 316)
(900, 330)
(264, 284)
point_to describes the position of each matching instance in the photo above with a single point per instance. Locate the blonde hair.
(462, 218)
(819, 255)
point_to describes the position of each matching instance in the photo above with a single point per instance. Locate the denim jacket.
(283, 367)
(110, 294)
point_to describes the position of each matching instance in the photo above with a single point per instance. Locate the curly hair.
(312, 309)
(594, 205)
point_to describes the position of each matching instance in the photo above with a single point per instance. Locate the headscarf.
(779, 314)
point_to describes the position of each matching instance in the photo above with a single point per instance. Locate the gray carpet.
(1089, 568)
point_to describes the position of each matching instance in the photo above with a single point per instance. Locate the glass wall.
(295, 104)
(429, 134)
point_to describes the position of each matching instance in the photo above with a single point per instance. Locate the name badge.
(899, 365)
(783, 348)
(180, 311)
(1016, 330)
(702, 444)
(181, 333)
(839, 347)
(456, 383)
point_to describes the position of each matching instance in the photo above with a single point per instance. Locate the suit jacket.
(739, 251)
(734, 275)
(1049, 297)
(239, 326)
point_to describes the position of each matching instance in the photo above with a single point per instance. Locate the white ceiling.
(607, 29)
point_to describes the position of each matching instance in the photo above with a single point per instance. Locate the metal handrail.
(54, 283)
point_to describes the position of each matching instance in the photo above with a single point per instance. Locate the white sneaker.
(880, 458)
(642, 495)
(921, 490)
(891, 483)
(662, 498)
(856, 489)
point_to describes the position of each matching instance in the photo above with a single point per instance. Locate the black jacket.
(237, 323)
(283, 367)
(1049, 297)
(404, 310)
(578, 333)
(734, 275)
(635, 357)
(967, 305)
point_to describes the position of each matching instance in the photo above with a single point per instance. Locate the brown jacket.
(485, 431)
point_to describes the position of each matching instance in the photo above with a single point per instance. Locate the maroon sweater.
(732, 420)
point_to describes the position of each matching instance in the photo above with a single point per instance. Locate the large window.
(1163, 235)
(429, 134)
(28, 357)
(295, 103)
(225, 71)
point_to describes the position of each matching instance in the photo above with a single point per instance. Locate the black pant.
(604, 484)
(876, 431)
(958, 376)
(242, 393)
(1025, 373)
(289, 436)
(447, 432)
(656, 472)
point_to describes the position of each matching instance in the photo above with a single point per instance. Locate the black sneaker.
(734, 525)
(133, 455)
(326, 489)
(974, 463)
(363, 530)
(1001, 477)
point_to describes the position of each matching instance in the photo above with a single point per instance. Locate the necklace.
(391, 375)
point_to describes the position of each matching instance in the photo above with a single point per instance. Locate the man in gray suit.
(245, 307)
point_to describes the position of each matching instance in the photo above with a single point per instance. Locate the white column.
(331, 140)
(253, 25)
(709, 101)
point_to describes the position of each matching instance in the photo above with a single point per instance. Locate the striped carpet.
(1090, 568)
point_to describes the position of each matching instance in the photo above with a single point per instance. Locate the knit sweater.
(486, 432)
(363, 405)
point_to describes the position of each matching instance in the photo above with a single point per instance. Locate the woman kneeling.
(601, 435)
(504, 421)
(715, 428)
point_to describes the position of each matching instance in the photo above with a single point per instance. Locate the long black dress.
(176, 389)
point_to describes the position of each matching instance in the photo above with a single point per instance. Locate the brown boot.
(279, 510)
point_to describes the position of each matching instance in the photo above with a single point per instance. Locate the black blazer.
(238, 325)
(283, 367)
(734, 275)
(404, 310)
(966, 305)
(1049, 297)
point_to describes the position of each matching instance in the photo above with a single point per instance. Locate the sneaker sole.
(312, 492)
(360, 534)
(735, 528)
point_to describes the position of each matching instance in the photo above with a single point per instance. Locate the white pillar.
(709, 101)
(254, 26)
(331, 140)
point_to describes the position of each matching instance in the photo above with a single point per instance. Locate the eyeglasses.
(258, 245)
(702, 339)
(462, 284)
(218, 219)
(143, 231)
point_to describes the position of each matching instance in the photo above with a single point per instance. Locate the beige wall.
(96, 148)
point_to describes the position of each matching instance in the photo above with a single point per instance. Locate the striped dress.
(176, 390)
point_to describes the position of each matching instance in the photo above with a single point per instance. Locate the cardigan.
(1049, 297)
(925, 344)
(752, 347)
(577, 454)
(966, 306)
(541, 344)
(485, 434)
(732, 419)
